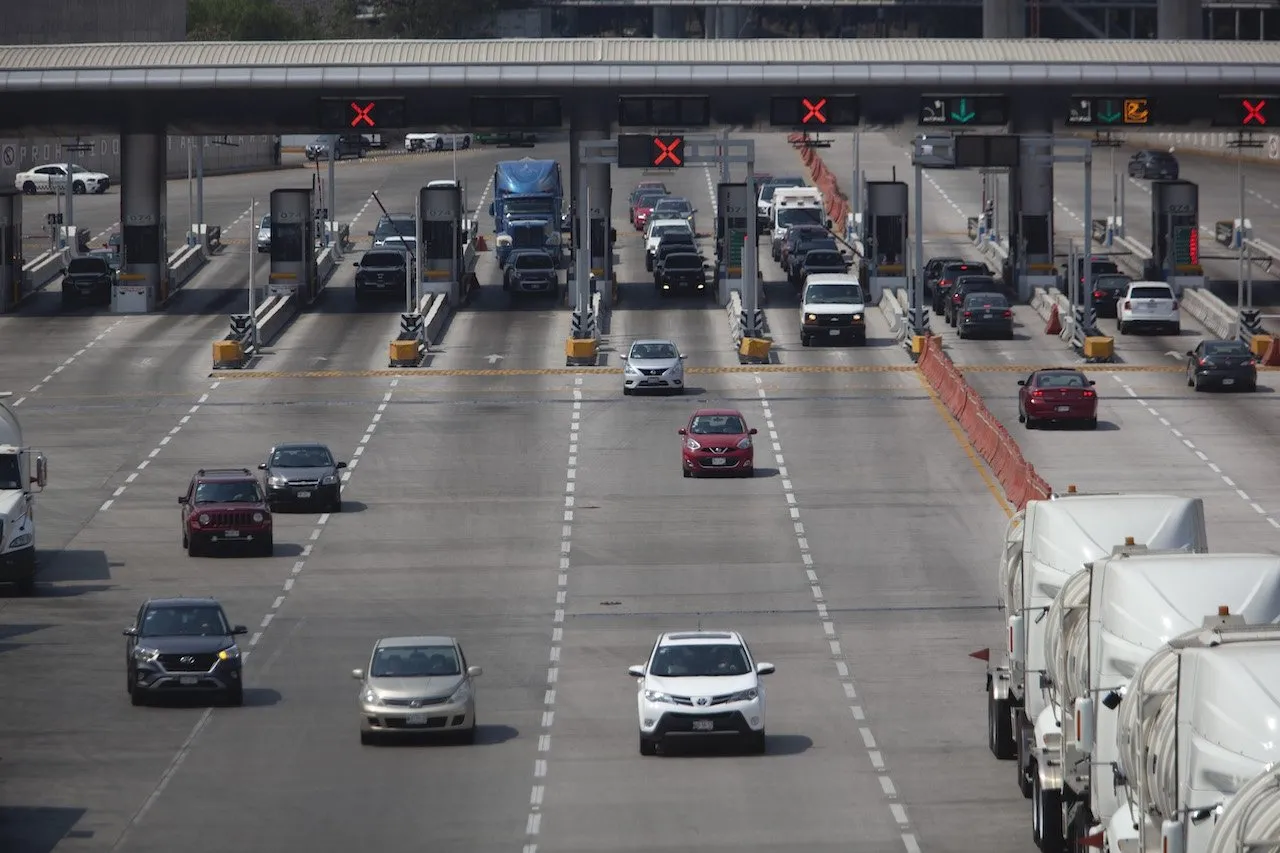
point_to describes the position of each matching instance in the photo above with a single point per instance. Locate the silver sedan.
(417, 685)
(653, 365)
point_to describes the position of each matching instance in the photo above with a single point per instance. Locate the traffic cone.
(480, 244)
(1271, 358)
(1054, 326)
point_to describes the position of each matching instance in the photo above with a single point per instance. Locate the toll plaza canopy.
(203, 86)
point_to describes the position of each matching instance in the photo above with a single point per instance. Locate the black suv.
(88, 279)
(531, 271)
(303, 474)
(1160, 165)
(820, 261)
(793, 264)
(347, 145)
(382, 271)
(183, 646)
(681, 271)
(933, 271)
(1107, 290)
(947, 278)
(966, 285)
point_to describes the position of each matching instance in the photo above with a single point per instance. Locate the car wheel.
(756, 743)
(336, 506)
(648, 746)
(78, 188)
(686, 472)
(1030, 422)
(1122, 327)
(137, 697)
(468, 737)
(1195, 384)
(960, 333)
(193, 547)
(29, 188)
(268, 546)
(1175, 330)
(235, 696)
(1191, 383)
(184, 541)
(1092, 423)
(1252, 386)
(626, 392)
(439, 144)
(367, 738)
(805, 340)
(466, 142)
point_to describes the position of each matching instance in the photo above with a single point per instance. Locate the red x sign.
(814, 113)
(1253, 112)
(362, 115)
(669, 150)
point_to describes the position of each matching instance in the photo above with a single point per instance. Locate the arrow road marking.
(494, 358)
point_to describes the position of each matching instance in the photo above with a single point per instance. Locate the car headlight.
(22, 540)
(631, 370)
(857, 317)
(258, 518)
(230, 653)
(142, 655)
(277, 480)
(370, 696)
(329, 479)
(658, 698)
(744, 444)
(811, 318)
(691, 444)
(204, 518)
(675, 369)
(463, 691)
(744, 695)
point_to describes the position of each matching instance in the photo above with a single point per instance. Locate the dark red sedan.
(717, 442)
(1058, 395)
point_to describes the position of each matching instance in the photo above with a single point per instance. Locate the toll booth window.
(1035, 231)
(889, 239)
(287, 244)
(440, 240)
(142, 244)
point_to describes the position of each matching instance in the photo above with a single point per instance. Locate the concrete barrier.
(1214, 314)
(893, 313)
(734, 311)
(436, 311)
(326, 263)
(42, 269)
(184, 263)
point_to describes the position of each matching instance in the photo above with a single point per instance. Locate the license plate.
(833, 332)
(1064, 408)
(417, 719)
(304, 494)
(719, 460)
(231, 534)
(1228, 382)
(704, 725)
(188, 680)
(986, 316)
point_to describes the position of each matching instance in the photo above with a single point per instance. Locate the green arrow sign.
(1108, 112)
(963, 114)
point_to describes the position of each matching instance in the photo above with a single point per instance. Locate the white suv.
(700, 683)
(1149, 304)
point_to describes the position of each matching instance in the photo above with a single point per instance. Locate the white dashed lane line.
(856, 710)
(67, 362)
(533, 822)
(1190, 445)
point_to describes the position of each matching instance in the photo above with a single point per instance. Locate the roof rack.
(219, 472)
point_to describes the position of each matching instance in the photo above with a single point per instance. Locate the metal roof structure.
(534, 64)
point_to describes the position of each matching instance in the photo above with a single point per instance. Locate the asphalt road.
(540, 517)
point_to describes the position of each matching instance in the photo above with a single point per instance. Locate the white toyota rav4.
(701, 683)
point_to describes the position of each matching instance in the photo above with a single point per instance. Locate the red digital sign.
(814, 111)
(361, 114)
(643, 150)
(1247, 112)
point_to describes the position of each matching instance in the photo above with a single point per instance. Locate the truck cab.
(833, 308)
(23, 474)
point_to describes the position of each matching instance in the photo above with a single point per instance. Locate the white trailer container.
(1104, 624)
(1044, 545)
(22, 475)
(1197, 723)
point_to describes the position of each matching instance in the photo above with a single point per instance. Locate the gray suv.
(183, 646)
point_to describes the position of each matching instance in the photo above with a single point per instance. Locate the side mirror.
(357, 674)
(42, 470)
(341, 465)
(62, 270)
(622, 357)
(753, 431)
(636, 671)
(828, 224)
(1022, 382)
(262, 466)
(613, 235)
(1191, 353)
(182, 499)
(1092, 383)
(370, 233)
(355, 263)
(238, 630)
(764, 669)
(683, 356)
(682, 431)
(130, 632)
(475, 671)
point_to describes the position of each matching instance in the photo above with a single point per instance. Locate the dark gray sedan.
(302, 475)
(985, 315)
(1222, 364)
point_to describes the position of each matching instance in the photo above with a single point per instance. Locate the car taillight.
(1175, 305)
(968, 314)
(1251, 363)
(1037, 393)
(1203, 362)
(1127, 305)
(1008, 314)
(1086, 393)
(1098, 294)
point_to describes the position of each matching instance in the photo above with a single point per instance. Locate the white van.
(795, 206)
(833, 308)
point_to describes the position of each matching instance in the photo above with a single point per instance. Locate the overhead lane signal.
(964, 111)
(362, 113)
(1110, 111)
(649, 151)
(1247, 112)
(814, 111)
(664, 111)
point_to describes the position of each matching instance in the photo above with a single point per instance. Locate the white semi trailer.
(1044, 545)
(1105, 623)
(23, 474)
(1199, 721)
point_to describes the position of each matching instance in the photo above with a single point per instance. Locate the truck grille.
(835, 319)
(188, 663)
(229, 520)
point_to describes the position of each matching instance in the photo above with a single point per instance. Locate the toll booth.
(11, 260)
(293, 238)
(1175, 235)
(1031, 258)
(441, 242)
(884, 237)
(144, 264)
(602, 240)
(733, 208)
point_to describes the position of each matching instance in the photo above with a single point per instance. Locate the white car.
(264, 234)
(700, 683)
(653, 365)
(1148, 304)
(53, 178)
(833, 307)
(436, 141)
(654, 231)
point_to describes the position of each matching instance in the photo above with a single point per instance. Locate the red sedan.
(717, 441)
(1059, 395)
(643, 207)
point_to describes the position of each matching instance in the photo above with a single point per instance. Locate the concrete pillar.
(143, 221)
(1004, 19)
(590, 121)
(1179, 19)
(11, 260)
(1031, 229)
(711, 27)
(664, 23)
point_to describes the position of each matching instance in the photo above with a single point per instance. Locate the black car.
(672, 241)
(933, 271)
(681, 271)
(965, 285)
(987, 314)
(1225, 364)
(303, 474)
(947, 279)
(797, 234)
(1107, 290)
(793, 266)
(183, 646)
(1158, 165)
(382, 271)
(531, 271)
(346, 145)
(88, 280)
(820, 260)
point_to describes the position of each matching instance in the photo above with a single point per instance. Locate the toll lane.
(435, 538)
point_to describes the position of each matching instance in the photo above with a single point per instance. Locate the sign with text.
(814, 112)
(977, 151)
(964, 110)
(362, 114)
(515, 113)
(1109, 111)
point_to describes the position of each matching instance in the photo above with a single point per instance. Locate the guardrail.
(184, 263)
(1214, 314)
(42, 269)
(419, 330)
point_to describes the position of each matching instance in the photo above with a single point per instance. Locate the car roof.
(424, 640)
(654, 223)
(832, 278)
(716, 412)
(293, 445)
(675, 198)
(183, 600)
(693, 638)
(1059, 370)
(224, 475)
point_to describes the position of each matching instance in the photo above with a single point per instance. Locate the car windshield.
(514, 207)
(79, 266)
(699, 661)
(184, 621)
(395, 227)
(1150, 293)
(833, 294)
(717, 425)
(383, 259)
(676, 238)
(1111, 282)
(107, 256)
(824, 258)
(673, 205)
(534, 261)
(646, 352)
(302, 457)
(810, 244)
(1226, 348)
(683, 262)
(236, 492)
(10, 476)
(661, 231)
(978, 284)
(414, 662)
(799, 216)
(1061, 380)
(648, 199)
(985, 300)
(954, 271)
(265, 224)
(766, 194)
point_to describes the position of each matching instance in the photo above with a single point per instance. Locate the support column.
(711, 25)
(144, 278)
(11, 284)
(1179, 19)
(592, 203)
(1031, 206)
(664, 23)
(1004, 19)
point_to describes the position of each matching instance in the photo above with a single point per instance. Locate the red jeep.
(225, 506)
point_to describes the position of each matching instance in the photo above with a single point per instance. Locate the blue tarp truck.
(528, 205)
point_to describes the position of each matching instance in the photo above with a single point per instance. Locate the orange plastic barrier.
(825, 180)
(1054, 325)
(988, 436)
(1271, 358)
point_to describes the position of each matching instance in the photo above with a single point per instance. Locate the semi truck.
(23, 474)
(1106, 621)
(527, 207)
(1044, 545)
(1197, 745)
